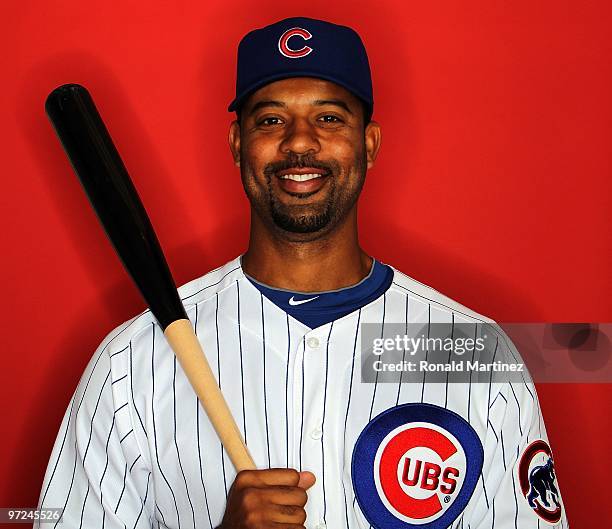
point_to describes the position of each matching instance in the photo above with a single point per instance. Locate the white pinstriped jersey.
(136, 450)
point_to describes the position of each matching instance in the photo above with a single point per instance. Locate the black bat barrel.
(114, 198)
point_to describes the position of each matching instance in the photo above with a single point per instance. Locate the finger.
(282, 495)
(307, 480)
(290, 514)
(267, 477)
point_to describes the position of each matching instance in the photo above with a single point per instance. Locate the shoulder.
(428, 304)
(211, 284)
(514, 389)
(427, 295)
(192, 293)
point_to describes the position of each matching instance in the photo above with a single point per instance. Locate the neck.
(332, 261)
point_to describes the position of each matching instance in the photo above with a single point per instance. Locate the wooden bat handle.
(187, 348)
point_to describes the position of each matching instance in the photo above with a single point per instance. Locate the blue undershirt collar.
(314, 309)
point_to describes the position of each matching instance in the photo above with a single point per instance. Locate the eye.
(330, 118)
(270, 121)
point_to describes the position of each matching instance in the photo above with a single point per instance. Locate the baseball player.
(299, 331)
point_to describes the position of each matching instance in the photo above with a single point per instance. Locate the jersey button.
(312, 342)
(317, 433)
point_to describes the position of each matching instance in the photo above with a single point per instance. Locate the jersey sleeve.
(519, 486)
(96, 472)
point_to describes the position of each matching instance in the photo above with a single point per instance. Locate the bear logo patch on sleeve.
(538, 481)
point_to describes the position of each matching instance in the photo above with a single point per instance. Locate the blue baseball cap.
(303, 47)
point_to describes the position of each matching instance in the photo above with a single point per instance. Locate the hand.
(261, 499)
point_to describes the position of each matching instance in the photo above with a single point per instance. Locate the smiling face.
(303, 153)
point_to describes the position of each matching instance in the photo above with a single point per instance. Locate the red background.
(493, 183)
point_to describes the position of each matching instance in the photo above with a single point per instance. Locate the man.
(287, 329)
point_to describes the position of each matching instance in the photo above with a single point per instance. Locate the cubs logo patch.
(415, 465)
(537, 479)
(293, 53)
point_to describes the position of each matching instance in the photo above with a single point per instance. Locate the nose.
(300, 138)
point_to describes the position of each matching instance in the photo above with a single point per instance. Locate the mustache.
(297, 162)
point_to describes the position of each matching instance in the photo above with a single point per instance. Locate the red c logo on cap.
(291, 53)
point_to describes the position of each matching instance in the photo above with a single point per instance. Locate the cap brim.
(236, 103)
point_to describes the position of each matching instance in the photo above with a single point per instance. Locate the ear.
(234, 142)
(373, 138)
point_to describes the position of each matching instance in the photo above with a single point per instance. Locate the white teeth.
(301, 177)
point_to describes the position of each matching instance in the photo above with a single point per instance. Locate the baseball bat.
(113, 196)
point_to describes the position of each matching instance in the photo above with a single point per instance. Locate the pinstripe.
(88, 443)
(426, 350)
(143, 503)
(59, 455)
(382, 326)
(537, 408)
(265, 402)
(399, 385)
(470, 383)
(178, 516)
(449, 358)
(348, 404)
(489, 404)
(495, 399)
(241, 366)
(83, 508)
(122, 489)
(484, 488)
(518, 407)
(323, 422)
(120, 351)
(302, 410)
(119, 379)
(515, 500)
(134, 462)
(161, 514)
(493, 430)
(219, 381)
(197, 403)
(106, 467)
(287, 388)
(126, 435)
(132, 390)
(178, 453)
(200, 461)
(501, 438)
(382, 332)
(68, 424)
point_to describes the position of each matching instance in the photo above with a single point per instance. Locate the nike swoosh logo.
(294, 302)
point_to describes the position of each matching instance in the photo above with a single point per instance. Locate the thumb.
(307, 480)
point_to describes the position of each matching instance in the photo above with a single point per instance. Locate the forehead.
(302, 91)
